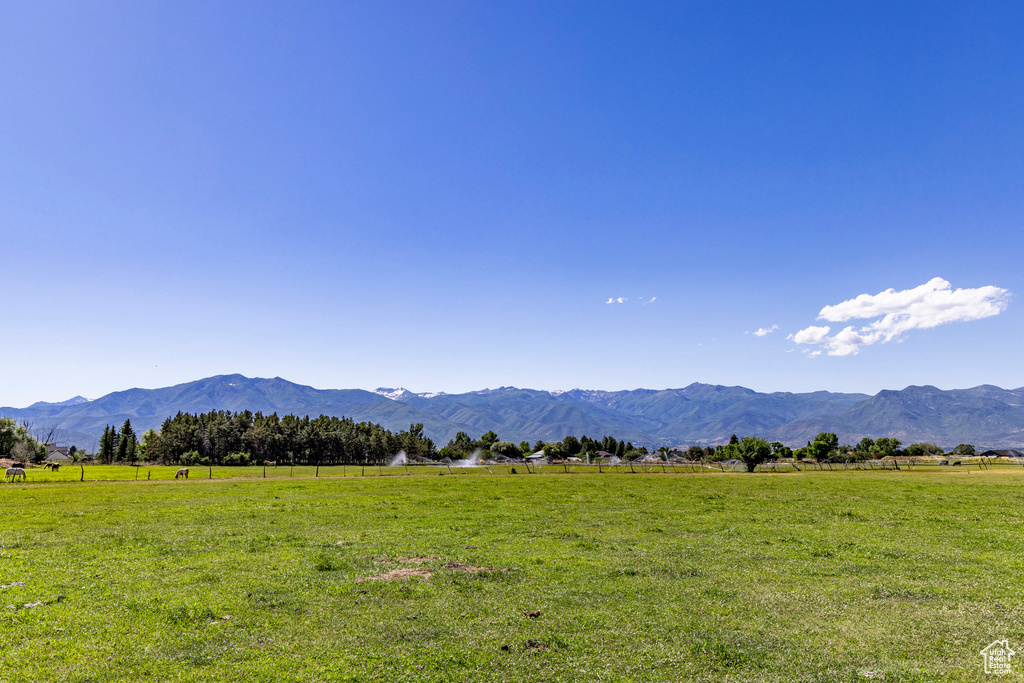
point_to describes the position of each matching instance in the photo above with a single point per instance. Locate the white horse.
(13, 473)
(183, 472)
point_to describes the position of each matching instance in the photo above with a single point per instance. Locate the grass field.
(812, 576)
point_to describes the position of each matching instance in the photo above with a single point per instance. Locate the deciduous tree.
(752, 451)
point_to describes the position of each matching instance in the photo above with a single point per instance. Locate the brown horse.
(51, 466)
(183, 472)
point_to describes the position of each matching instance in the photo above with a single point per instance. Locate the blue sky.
(444, 196)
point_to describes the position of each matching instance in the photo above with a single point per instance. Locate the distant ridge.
(986, 415)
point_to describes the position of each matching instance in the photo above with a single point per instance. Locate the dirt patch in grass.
(460, 567)
(423, 572)
(398, 575)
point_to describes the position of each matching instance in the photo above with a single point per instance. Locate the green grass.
(816, 576)
(74, 472)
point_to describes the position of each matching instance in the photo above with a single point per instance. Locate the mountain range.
(986, 416)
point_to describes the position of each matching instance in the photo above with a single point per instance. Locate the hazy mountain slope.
(986, 416)
(699, 413)
(148, 408)
(518, 414)
(929, 414)
(708, 413)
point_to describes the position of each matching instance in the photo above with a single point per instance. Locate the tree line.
(227, 438)
(825, 447)
(242, 438)
(463, 446)
(222, 437)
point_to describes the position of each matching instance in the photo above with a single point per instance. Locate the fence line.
(145, 472)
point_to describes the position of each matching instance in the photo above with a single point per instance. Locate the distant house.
(1002, 454)
(57, 455)
(539, 455)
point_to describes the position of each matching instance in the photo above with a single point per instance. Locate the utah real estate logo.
(997, 657)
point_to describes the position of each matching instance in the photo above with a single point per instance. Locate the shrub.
(237, 459)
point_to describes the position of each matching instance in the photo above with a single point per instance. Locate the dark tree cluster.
(118, 446)
(226, 438)
(17, 442)
(463, 445)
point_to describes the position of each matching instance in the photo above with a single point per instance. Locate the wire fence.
(80, 472)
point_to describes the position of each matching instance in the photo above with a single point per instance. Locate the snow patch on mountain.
(395, 394)
(401, 393)
(77, 400)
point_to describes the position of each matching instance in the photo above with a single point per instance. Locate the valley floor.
(814, 576)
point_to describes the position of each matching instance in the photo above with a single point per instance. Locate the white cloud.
(616, 300)
(764, 331)
(810, 335)
(929, 305)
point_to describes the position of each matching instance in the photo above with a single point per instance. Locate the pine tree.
(126, 443)
(108, 444)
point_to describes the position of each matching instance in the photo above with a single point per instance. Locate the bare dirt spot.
(460, 567)
(398, 575)
(532, 644)
(423, 572)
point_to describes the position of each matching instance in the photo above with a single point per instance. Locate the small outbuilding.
(1002, 454)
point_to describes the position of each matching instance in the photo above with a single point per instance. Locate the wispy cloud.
(929, 305)
(622, 300)
(765, 331)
